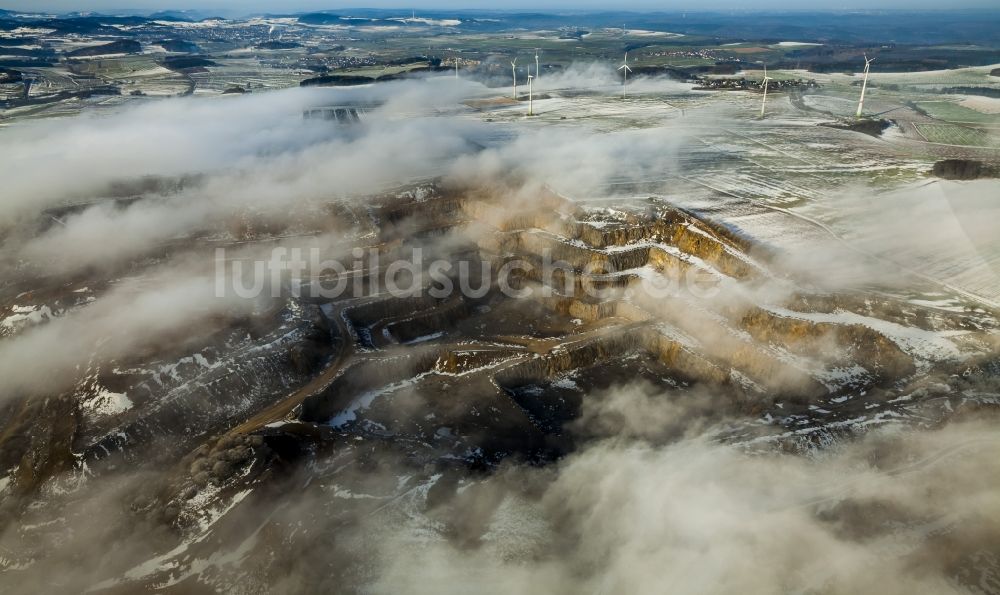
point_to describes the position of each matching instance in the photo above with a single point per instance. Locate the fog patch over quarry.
(809, 407)
(204, 160)
(128, 319)
(697, 516)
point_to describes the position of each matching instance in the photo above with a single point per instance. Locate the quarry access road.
(326, 377)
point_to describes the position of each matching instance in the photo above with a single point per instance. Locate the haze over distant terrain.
(244, 7)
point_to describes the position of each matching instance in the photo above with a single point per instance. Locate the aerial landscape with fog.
(576, 298)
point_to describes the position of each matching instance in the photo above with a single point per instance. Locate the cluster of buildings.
(745, 84)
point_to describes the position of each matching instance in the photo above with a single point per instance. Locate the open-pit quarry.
(390, 407)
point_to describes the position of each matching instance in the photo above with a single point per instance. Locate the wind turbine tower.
(864, 85)
(531, 111)
(763, 102)
(625, 80)
(537, 71)
(513, 70)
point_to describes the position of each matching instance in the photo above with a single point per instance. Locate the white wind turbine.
(864, 85)
(531, 111)
(763, 101)
(536, 63)
(627, 70)
(456, 67)
(513, 70)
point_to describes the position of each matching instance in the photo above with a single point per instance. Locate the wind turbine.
(864, 85)
(456, 67)
(763, 101)
(531, 111)
(627, 70)
(513, 69)
(536, 63)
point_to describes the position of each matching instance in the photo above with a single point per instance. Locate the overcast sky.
(246, 6)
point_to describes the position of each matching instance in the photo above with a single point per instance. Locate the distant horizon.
(233, 8)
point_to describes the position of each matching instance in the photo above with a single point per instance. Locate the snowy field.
(794, 184)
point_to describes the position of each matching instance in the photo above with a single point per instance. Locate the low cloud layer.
(898, 512)
(937, 229)
(162, 310)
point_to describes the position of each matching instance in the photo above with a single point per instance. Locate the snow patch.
(106, 402)
(25, 315)
(918, 343)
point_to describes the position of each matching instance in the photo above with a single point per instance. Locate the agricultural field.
(247, 73)
(952, 134)
(951, 111)
(139, 75)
